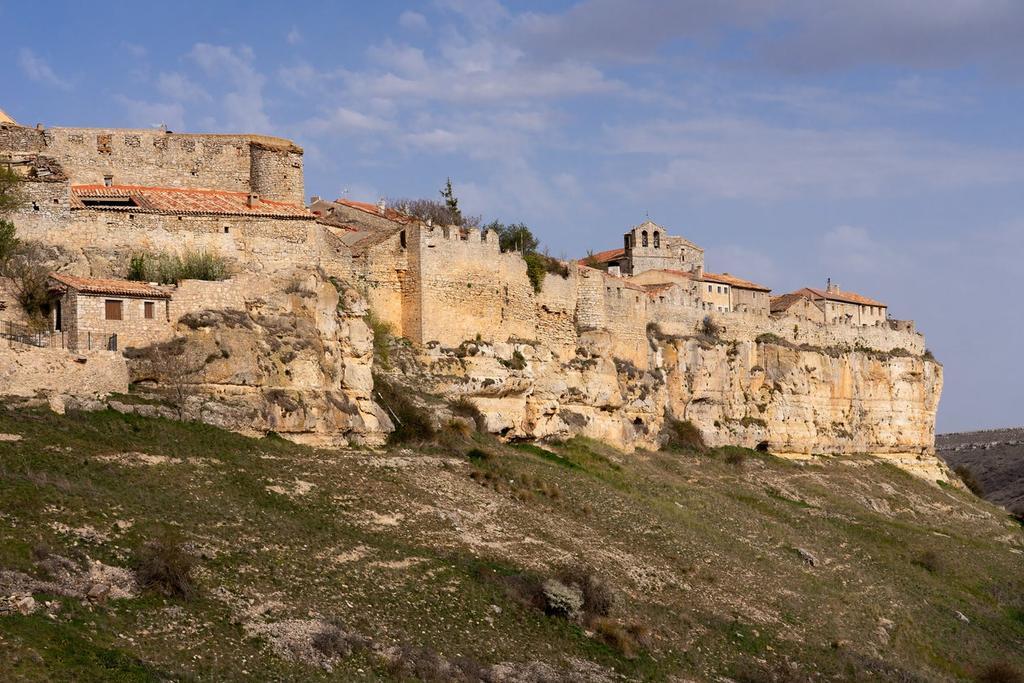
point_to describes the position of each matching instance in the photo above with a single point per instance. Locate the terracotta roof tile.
(606, 256)
(389, 214)
(93, 285)
(172, 200)
(843, 296)
(786, 301)
(726, 279)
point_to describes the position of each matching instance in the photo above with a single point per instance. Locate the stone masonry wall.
(269, 166)
(468, 288)
(28, 371)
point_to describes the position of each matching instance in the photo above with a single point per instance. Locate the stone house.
(104, 313)
(724, 292)
(838, 307)
(799, 307)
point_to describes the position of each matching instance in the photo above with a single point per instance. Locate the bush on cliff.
(412, 423)
(168, 269)
(683, 435)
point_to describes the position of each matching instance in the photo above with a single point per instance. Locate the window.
(108, 180)
(643, 239)
(148, 310)
(114, 202)
(112, 309)
(401, 238)
(227, 229)
(709, 288)
(657, 239)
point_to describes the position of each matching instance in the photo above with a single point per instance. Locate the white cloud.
(242, 105)
(404, 59)
(343, 120)
(747, 158)
(179, 88)
(412, 21)
(37, 69)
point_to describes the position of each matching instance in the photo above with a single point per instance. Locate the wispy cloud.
(242, 106)
(38, 69)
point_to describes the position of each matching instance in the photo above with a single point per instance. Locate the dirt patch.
(135, 459)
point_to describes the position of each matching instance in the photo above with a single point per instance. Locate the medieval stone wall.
(467, 287)
(28, 371)
(271, 167)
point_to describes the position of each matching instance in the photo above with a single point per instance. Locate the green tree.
(514, 237)
(452, 202)
(11, 195)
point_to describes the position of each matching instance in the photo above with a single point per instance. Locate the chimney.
(831, 287)
(252, 200)
(382, 206)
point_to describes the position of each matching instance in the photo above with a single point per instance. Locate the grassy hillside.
(430, 561)
(991, 462)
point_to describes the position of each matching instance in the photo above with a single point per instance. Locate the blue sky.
(876, 142)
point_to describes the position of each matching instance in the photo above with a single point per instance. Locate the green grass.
(406, 549)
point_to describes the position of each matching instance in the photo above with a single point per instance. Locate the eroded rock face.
(297, 361)
(790, 401)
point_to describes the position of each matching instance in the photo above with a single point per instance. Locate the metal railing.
(23, 334)
(81, 340)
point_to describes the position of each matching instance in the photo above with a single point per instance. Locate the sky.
(875, 142)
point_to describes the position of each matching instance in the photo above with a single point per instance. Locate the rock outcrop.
(792, 401)
(297, 361)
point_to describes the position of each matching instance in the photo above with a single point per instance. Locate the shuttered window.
(148, 309)
(113, 309)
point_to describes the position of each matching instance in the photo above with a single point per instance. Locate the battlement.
(268, 166)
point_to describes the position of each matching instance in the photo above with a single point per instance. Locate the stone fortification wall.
(104, 240)
(467, 287)
(28, 371)
(380, 274)
(191, 296)
(271, 167)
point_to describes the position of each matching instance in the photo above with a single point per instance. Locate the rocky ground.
(992, 460)
(454, 557)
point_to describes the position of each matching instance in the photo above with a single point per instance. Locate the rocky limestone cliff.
(792, 401)
(297, 361)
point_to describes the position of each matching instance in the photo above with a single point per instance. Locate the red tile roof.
(93, 285)
(389, 214)
(786, 301)
(739, 283)
(606, 256)
(840, 295)
(172, 200)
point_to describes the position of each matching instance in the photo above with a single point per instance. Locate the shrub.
(735, 457)
(535, 270)
(30, 281)
(929, 561)
(598, 596)
(928, 355)
(1000, 672)
(168, 268)
(561, 600)
(381, 337)
(683, 435)
(411, 422)
(770, 338)
(710, 328)
(165, 567)
(628, 638)
(478, 455)
(333, 641)
(969, 480)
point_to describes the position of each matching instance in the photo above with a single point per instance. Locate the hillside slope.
(994, 459)
(430, 561)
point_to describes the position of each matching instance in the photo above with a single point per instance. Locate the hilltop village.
(636, 326)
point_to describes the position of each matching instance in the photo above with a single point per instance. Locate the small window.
(401, 239)
(113, 309)
(108, 180)
(35, 206)
(227, 229)
(657, 239)
(149, 310)
(643, 239)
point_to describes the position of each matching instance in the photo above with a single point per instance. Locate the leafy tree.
(9, 244)
(514, 237)
(11, 195)
(452, 202)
